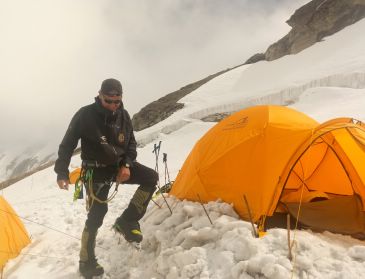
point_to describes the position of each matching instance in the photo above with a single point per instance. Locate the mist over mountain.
(35, 144)
(310, 24)
(56, 55)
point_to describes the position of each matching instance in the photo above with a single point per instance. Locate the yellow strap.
(261, 226)
(136, 232)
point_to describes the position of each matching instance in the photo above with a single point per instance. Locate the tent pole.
(255, 234)
(206, 212)
(159, 206)
(288, 228)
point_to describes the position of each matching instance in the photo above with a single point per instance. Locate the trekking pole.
(166, 203)
(288, 228)
(159, 206)
(164, 160)
(156, 150)
(206, 212)
(255, 234)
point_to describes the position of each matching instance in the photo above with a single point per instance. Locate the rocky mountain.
(314, 21)
(310, 24)
(167, 105)
(16, 167)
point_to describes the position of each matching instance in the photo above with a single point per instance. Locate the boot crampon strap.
(130, 230)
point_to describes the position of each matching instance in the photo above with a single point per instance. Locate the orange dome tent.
(278, 157)
(13, 236)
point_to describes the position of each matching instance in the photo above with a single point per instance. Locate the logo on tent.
(240, 123)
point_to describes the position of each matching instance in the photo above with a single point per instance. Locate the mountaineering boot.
(130, 230)
(90, 269)
(127, 224)
(88, 265)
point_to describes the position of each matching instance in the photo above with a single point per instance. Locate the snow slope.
(324, 81)
(337, 61)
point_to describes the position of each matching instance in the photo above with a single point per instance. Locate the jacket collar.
(107, 114)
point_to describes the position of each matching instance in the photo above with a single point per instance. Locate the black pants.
(147, 179)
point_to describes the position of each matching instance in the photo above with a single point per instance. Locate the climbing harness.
(86, 180)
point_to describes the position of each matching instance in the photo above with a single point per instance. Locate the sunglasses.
(109, 101)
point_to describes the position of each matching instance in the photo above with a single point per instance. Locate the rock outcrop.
(310, 24)
(314, 21)
(255, 58)
(167, 105)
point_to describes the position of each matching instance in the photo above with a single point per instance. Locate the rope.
(36, 255)
(47, 227)
(92, 196)
(86, 178)
(38, 199)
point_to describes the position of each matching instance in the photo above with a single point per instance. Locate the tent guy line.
(47, 227)
(34, 255)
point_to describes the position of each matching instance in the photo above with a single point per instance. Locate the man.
(108, 148)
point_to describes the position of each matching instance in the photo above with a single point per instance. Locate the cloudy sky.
(54, 54)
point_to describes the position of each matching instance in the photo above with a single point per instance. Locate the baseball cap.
(111, 87)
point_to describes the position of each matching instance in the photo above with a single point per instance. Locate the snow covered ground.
(324, 81)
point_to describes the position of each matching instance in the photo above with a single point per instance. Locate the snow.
(337, 61)
(11, 161)
(325, 81)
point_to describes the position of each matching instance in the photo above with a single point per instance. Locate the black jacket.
(106, 138)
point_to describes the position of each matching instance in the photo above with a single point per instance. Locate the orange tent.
(279, 158)
(13, 236)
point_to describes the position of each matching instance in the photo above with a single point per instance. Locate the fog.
(54, 54)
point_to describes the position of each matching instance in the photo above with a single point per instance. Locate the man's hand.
(63, 184)
(123, 174)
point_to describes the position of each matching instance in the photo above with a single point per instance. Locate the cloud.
(56, 53)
